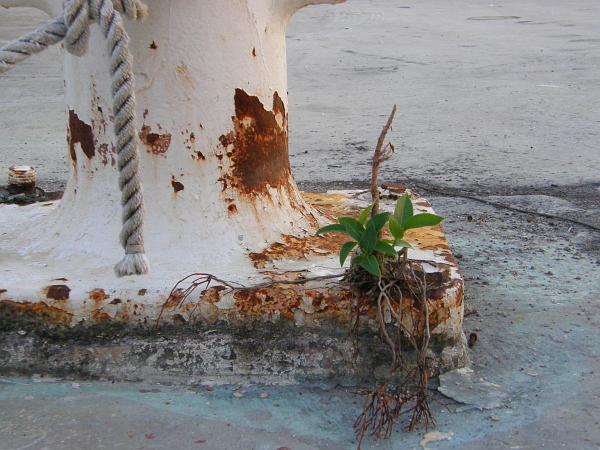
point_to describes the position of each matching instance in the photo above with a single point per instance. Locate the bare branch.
(381, 154)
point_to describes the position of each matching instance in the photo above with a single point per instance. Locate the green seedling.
(374, 251)
(404, 218)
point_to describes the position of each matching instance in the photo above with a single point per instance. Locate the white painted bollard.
(212, 111)
(220, 199)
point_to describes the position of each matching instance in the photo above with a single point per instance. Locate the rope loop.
(79, 14)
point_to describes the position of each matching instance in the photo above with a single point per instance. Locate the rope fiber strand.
(35, 42)
(73, 27)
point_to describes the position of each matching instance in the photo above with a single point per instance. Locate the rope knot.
(79, 14)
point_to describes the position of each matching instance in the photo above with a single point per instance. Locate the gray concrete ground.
(494, 100)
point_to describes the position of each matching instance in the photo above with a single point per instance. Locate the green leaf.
(395, 228)
(365, 215)
(371, 265)
(334, 227)
(403, 210)
(401, 243)
(357, 259)
(369, 239)
(385, 248)
(422, 220)
(353, 227)
(345, 251)
(379, 221)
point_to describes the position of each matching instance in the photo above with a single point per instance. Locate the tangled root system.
(383, 406)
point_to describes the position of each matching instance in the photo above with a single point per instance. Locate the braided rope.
(35, 42)
(74, 28)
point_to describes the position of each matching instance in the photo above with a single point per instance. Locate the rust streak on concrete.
(258, 145)
(57, 292)
(80, 133)
(49, 314)
(295, 247)
(177, 186)
(98, 295)
(157, 144)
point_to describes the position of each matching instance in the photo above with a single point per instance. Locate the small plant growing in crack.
(365, 234)
(382, 275)
(385, 275)
(374, 250)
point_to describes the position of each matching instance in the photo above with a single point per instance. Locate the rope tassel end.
(132, 264)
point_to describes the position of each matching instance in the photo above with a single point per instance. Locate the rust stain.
(192, 138)
(213, 294)
(232, 208)
(332, 205)
(254, 51)
(98, 295)
(116, 301)
(41, 310)
(181, 69)
(184, 75)
(2, 291)
(334, 304)
(267, 301)
(258, 145)
(320, 299)
(175, 298)
(294, 247)
(57, 292)
(81, 133)
(259, 259)
(107, 156)
(285, 276)
(153, 46)
(177, 186)
(428, 238)
(99, 316)
(157, 144)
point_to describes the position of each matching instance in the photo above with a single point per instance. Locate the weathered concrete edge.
(280, 334)
(215, 357)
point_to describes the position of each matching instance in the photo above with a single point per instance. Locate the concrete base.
(278, 325)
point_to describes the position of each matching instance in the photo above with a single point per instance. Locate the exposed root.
(384, 405)
(405, 388)
(179, 295)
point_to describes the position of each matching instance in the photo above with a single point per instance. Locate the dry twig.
(382, 154)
